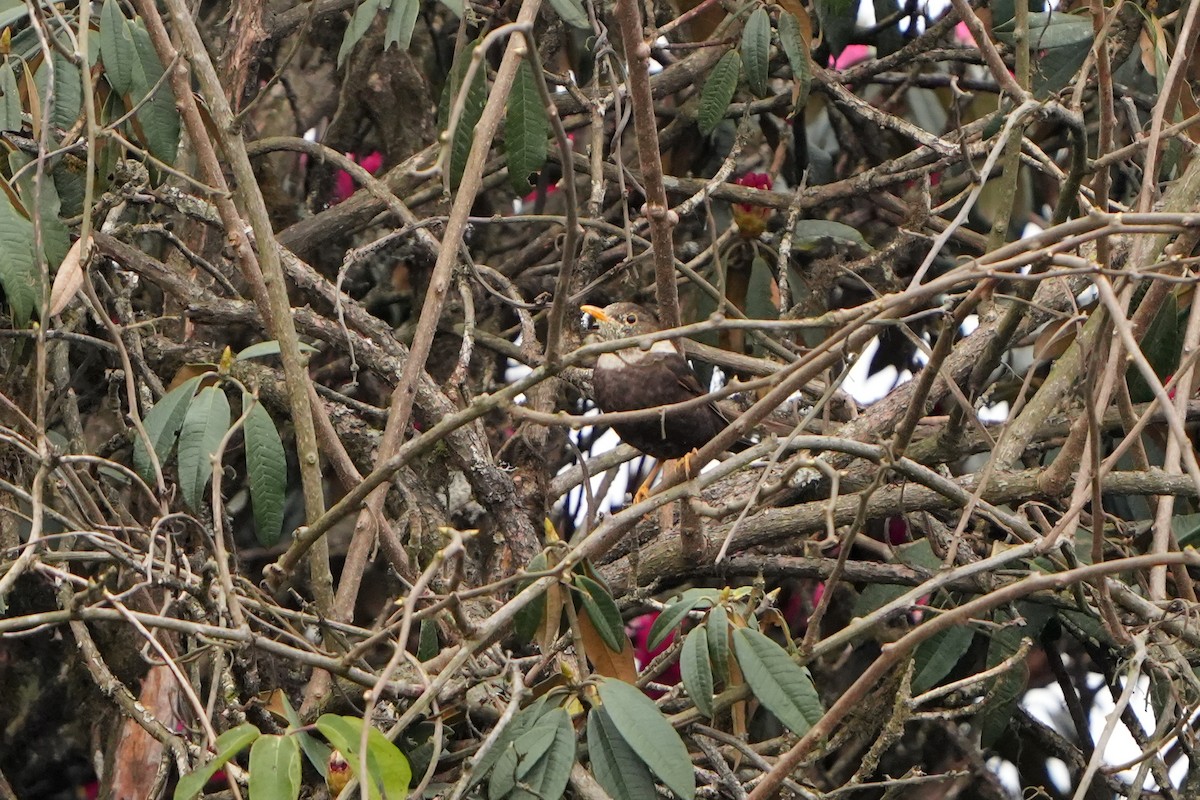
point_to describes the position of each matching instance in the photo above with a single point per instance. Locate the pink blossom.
(853, 54)
(344, 184)
(639, 632)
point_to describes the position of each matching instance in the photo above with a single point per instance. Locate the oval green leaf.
(525, 719)
(162, 423)
(464, 130)
(718, 642)
(696, 670)
(204, 426)
(760, 293)
(571, 12)
(937, 656)
(796, 50)
(229, 744)
(533, 744)
(116, 47)
(669, 620)
(526, 129)
(647, 732)
(157, 122)
(838, 19)
(427, 641)
(363, 16)
(10, 103)
(275, 768)
(402, 18)
(780, 684)
(388, 768)
(756, 50)
(548, 775)
(266, 472)
(603, 611)
(529, 619)
(808, 233)
(614, 764)
(18, 271)
(718, 91)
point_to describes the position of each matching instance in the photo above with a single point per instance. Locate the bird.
(638, 377)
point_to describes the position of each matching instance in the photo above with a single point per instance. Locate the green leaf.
(275, 768)
(756, 50)
(533, 744)
(1003, 699)
(387, 767)
(718, 91)
(526, 128)
(529, 618)
(669, 619)
(68, 91)
(718, 642)
(1006, 690)
(360, 22)
(615, 765)
(647, 732)
(517, 762)
(427, 643)
(229, 744)
(796, 50)
(605, 615)
(696, 670)
(504, 775)
(810, 233)
(1062, 42)
(266, 470)
(204, 426)
(1049, 29)
(402, 18)
(162, 424)
(116, 47)
(780, 684)
(19, 274)
(157, 121)
(1187, 529)
(315, 751)
(572, 13)
(936, 657)
(838, 19)
(547, 775)
(1161, 344)
(464, 131)
(56, 237)
(760, 294)
(525, 719)
(10, 103)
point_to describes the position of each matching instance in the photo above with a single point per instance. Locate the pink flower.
(751, 220)
(639, 632)
(963, 34)
(344, 184)
(853, 54)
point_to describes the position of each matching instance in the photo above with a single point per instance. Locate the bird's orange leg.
(644, 490)
(684, 463)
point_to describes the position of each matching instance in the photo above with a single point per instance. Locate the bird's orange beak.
(597, 312)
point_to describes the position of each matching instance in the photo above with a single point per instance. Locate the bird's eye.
(630, 319)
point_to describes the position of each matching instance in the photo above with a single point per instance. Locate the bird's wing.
(684, 374)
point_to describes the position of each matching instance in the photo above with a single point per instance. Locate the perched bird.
(636, 378)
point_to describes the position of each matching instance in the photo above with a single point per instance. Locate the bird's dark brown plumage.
(637, 378)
